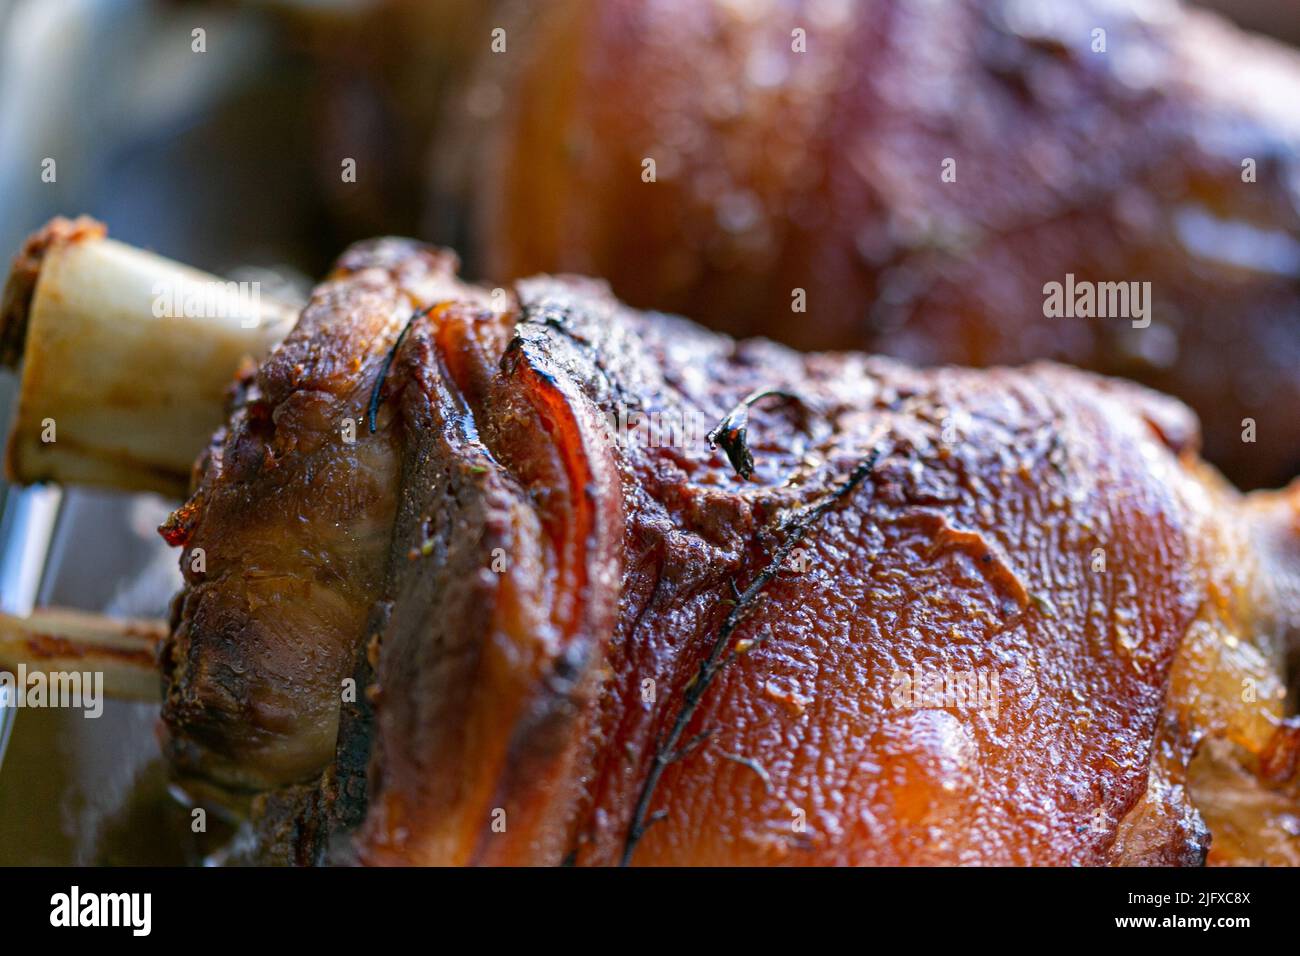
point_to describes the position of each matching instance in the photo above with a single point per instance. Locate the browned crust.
(522, 688)
(16, 302)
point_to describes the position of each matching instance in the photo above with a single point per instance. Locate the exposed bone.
(119, 386)
(59, 640)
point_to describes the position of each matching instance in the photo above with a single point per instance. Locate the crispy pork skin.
(950, 616)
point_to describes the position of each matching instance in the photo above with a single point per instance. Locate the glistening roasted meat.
(286, 539)
(582, 635)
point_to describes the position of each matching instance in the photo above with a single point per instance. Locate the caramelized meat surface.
(951, 616)
(919, 172)
(286, 537)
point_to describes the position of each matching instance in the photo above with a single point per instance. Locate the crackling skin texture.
(529, 563)
(823, 171)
